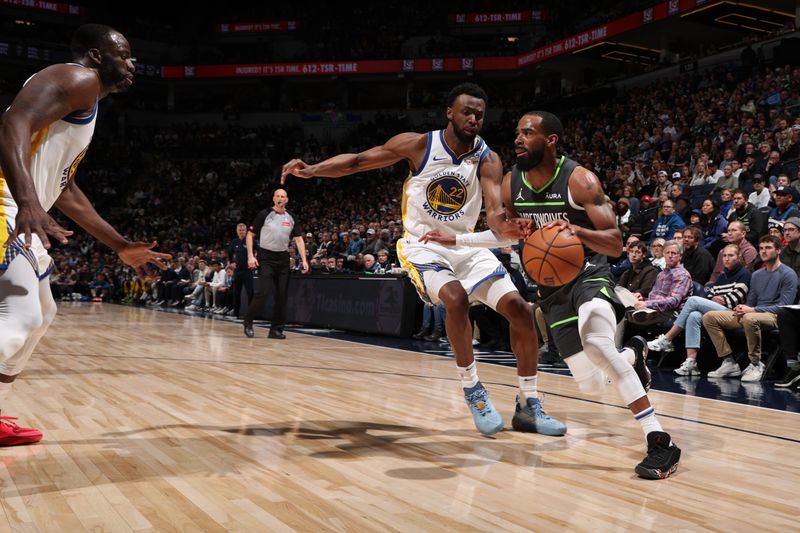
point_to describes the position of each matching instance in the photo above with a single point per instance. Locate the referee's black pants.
(272, 272)
(242, 279)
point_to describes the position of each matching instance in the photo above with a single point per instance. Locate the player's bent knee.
(593, 384)
(590, 379)
(48, 313)
(10, 346)
(515, 309)
(27, 322)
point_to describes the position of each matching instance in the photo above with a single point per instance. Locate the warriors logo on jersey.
(69, 172)
(446, 195)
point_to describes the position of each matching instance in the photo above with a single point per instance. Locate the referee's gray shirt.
(275, 230)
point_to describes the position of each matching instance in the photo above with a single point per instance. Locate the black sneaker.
(275, 334)
(248, 329)
(547, 357)
(420, 334)
(662, 457)
(434, 336)
(790, 380)
(639, 347)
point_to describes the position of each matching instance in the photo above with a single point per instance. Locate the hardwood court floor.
(161, 422)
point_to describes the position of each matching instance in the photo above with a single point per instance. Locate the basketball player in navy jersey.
(448, 170)
(546, 190)
(44, 134)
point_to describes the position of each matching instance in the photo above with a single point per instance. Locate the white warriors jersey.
(445, 193)
(56, 151)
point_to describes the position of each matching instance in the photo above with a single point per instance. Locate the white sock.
(468, 375)
(527, 388)
(648, 420)
(5, 389)
(729, 359)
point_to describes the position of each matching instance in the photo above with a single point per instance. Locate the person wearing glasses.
(657, 254)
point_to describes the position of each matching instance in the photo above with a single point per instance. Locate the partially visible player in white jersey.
(44, 134)
(449, 169)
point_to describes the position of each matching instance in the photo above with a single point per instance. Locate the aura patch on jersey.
(446, 196)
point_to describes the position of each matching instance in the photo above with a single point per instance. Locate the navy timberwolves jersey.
(552, 201)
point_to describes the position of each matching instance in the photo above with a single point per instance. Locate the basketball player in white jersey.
(448, 170)
(550, 191)
(44, 134)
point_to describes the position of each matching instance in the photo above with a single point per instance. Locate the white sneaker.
(687, 368)
(190, 308)
(754, 372)
(662, 344)
(727, 369)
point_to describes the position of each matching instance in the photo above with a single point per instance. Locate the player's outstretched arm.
(52, 94)
(483, 239)
(76, 206)
(408, 146)
(587, 192)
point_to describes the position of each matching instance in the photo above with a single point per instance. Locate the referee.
(270, 263)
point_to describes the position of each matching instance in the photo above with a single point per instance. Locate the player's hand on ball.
(561, 225)
(440, 237)
(296, 167)
(525, 226)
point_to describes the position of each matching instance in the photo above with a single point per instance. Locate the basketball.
(551, 257)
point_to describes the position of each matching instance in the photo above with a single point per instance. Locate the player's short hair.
(550, 123)
(471, 89)
(89, 36)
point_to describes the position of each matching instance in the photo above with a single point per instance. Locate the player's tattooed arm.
(587, 192)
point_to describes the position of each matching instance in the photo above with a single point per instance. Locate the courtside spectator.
(770, 287)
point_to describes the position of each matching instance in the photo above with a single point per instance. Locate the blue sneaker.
(532, 419)
(487, 420)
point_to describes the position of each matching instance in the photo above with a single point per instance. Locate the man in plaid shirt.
(672, 288)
